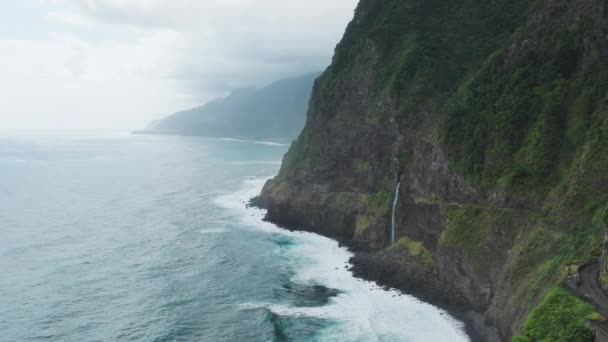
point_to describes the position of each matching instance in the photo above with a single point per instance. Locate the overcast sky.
(120, 63)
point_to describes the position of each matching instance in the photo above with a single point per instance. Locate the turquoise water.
(113, 237)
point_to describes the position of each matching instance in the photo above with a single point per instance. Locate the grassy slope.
(560, 316)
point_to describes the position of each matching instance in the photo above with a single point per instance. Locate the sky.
(118, 64)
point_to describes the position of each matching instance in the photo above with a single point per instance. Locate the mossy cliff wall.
(493, 115)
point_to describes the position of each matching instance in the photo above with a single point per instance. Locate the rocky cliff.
(493, 117)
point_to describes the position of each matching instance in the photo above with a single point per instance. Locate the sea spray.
(360, 310)
(395, 201)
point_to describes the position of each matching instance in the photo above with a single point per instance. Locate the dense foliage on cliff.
(423, 43)
(493, 115)
(560, 316)
(522, 117)
(274, 112)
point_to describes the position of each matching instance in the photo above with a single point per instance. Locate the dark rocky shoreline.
(477, 328)
(366, 266)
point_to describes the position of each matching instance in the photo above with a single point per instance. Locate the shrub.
(560, 316)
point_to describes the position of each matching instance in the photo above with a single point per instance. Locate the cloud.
(110, 63)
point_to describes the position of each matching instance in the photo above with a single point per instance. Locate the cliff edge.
(492, 117)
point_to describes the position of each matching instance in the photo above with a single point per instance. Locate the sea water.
(114, 237)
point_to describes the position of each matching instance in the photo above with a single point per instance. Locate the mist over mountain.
(274, 112)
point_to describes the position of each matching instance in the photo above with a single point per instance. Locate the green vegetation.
(534, 263)
(474, 228)
(295, 157)
(560, 316)
(534, 123)
(539, 262)
(432, 199)
(602, 218)
(380, 200)
(422, 42)
(280, 190)
(414, 249)
(539, 258)
(361, 165)
(361, 225)
(520, 120)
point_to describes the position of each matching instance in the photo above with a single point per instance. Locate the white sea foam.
(269, 143)
(365, 312)
(256, 162)
(286, 310)
(213, 231)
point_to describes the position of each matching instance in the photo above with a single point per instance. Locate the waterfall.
(393, 214)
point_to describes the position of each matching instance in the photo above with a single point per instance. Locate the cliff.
(274, 112)
(493, 117)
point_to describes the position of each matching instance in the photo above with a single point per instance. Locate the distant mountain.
(275, 112)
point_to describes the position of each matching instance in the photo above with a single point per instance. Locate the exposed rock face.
(476, 231)
(452, 280)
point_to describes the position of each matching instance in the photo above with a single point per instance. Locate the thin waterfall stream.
(395, 200)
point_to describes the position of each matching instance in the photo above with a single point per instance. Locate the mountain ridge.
(273, 112)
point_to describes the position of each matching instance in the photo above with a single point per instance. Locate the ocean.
(119, 237)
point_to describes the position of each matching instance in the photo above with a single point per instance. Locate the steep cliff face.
(493, 116)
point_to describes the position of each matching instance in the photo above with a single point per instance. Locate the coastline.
(475, 325)
(269, 142)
